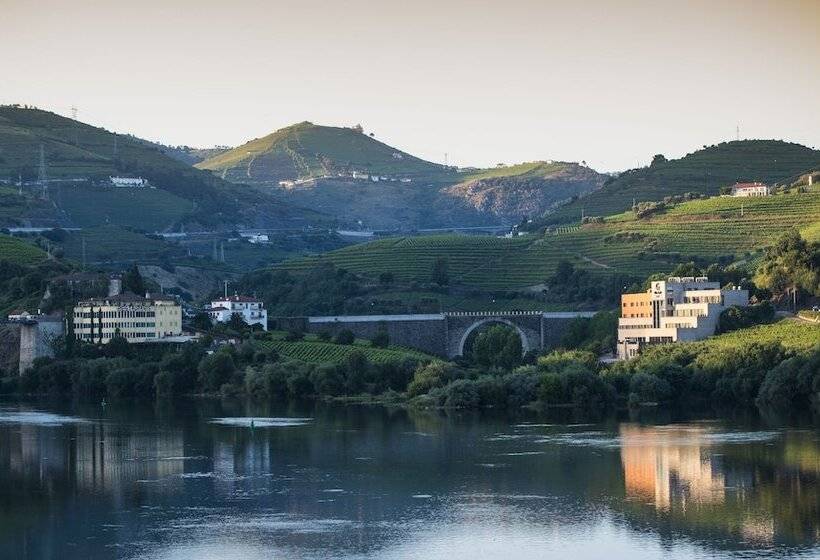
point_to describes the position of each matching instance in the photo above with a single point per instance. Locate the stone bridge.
(443, 334)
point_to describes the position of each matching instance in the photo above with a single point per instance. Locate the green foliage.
(497, 347)
(16, 252)
(381, 339)
(737, 317)
(132, 281)
(791, 263)
(345, 336)
(216, 370)
(597, 335)
(440, 273)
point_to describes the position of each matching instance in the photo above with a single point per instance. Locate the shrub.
(345, 336)
(426, 377)
(380, 340)
(462, 393)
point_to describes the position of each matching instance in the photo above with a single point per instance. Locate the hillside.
(704, 171)
(527, 189)
(19, 252)
(710, 230)
(345, 173)
(305, 150)
(78, 158)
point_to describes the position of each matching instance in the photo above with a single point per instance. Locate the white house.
(675, 310)
(751, 189)
(127, 181)
(251, 310)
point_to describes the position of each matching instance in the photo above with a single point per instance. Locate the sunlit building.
(673, 310)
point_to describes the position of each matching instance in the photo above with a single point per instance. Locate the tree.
(658, 159)
(345, 336)
(791, 264)
(381, 339)
(215, 370)
(440, 273)
(237, 323)
(499, 346)
(201, 322)
(132, 281)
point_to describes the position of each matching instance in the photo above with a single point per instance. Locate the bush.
(426, 377)
(294, 335)
(345, 336)
(216, 370)
(380, 340)
(462, 393)
(741, 317)
(325, 336)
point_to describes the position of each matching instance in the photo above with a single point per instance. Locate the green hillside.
(19, 252)
(709, 230)
(305, 150)
(79, 158)
(312, 350)
(704, 171)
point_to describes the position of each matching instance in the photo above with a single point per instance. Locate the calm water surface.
(196, 480)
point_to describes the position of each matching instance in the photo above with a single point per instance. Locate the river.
(211, 479)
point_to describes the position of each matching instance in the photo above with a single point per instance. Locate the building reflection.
(91, 456)
(670, 466)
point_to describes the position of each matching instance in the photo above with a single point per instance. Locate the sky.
(607, 82)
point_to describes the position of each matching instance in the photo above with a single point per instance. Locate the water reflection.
(226, 480)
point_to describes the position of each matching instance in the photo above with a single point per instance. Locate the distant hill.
(77, 160)
(345, 173)
(306, 150)
(704, 171)
(527, 189)
(710, 230)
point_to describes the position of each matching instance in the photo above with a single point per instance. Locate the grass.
(792, 333)
(113, 245)
(19, 252)
(89, 206)
(708, 230)
(704, 171)
(306, 150)
(312, 350)
(520, 170)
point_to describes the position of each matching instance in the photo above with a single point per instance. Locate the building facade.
(251, 310)
(673, 310)
(751, 189)
(132, 182)
(137, 319)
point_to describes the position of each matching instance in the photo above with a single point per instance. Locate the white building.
(128, 181)
(251, 310)
(153, 318)
(675, 310)
(751, 189)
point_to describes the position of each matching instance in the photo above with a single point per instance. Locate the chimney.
(114, 285)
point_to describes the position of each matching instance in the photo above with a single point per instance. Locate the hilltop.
(306, 150)
(704, 171)
(77, 161)
(350, 175)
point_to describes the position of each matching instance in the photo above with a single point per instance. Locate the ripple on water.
(37, 418)
(245, 422)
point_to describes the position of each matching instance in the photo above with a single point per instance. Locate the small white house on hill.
(751, 189)
(251, 310)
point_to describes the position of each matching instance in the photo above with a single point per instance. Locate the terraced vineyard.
(19, 252)
(719, 228)
(314, 351)
(792, 333)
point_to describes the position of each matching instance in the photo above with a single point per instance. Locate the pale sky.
(608, 82)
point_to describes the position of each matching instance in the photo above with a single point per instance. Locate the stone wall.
(425, 333)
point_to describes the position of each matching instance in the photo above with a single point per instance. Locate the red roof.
(244, 299)
(748, 185)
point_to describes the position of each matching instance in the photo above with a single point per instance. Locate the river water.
(207, 479)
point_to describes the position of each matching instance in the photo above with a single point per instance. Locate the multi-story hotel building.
(672, 310)
(137, 319)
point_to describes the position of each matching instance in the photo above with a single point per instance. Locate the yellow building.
(137, 319)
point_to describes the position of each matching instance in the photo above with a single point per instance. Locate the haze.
(485, 82)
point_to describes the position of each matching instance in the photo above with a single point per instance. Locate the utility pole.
(42, 178)
(226, 288)
(737, 132)
(74, 118)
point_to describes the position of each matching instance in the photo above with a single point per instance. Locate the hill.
(305, 150)
(704, 171)
(527, 189)
(345, 173)
(718, 229)
(77, 160)
(19, 252)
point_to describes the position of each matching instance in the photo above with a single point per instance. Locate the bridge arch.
(525, 344)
